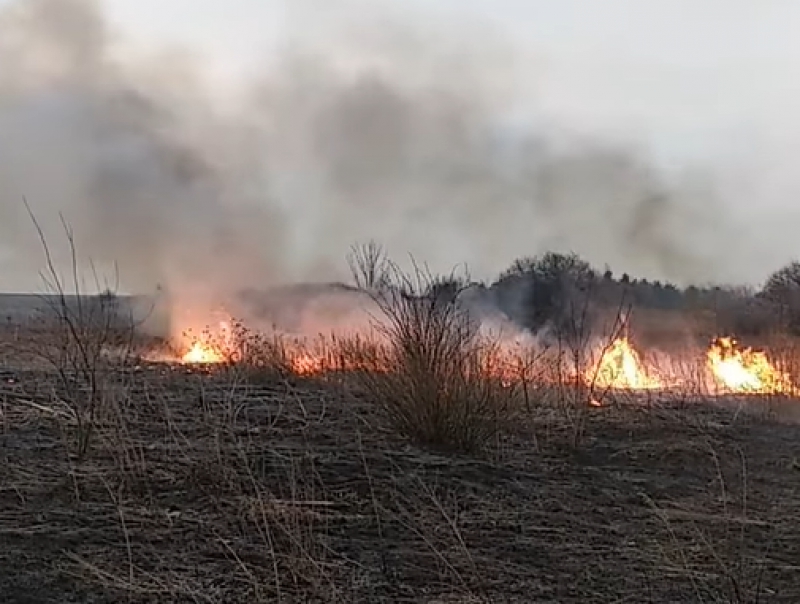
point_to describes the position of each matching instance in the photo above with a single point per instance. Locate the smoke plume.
(398, 135)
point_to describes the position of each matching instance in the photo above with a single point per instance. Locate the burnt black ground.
(199, 488)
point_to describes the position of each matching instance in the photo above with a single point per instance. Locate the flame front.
(746, 370)
(621, 367)
(201, 353)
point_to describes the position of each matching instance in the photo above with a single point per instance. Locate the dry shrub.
(437, 388)
(438, 391)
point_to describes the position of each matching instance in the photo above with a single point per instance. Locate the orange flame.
(209, 348)
(306, 364)
(201, 353)
(620, 367)
(733, 369)
(746, 370)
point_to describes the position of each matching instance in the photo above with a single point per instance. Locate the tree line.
(552, 287)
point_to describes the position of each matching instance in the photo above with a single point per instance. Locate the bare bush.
(437, 389)
(88, 341)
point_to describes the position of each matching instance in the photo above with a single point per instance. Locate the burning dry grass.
(443, 342)
(440, 385)
(746, 370)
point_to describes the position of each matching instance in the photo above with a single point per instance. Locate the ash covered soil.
(204, 487)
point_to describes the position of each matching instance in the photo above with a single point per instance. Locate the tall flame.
(746, 370)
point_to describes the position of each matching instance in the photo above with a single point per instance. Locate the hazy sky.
(706, 81)
(709, 88)
(687, 76)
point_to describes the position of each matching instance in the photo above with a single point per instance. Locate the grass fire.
(724, 366)
(573, 381)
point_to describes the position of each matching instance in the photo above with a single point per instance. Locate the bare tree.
(369, 266)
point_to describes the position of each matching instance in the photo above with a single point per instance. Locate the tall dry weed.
(437, 388)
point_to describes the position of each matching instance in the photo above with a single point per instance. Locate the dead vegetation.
(202, 487)
(436, 387)
(208, 486)
(414, 471)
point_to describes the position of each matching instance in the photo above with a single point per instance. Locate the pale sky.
(688, 76)
(709, 81)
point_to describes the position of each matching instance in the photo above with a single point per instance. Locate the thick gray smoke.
(147, 175)
(394, 136)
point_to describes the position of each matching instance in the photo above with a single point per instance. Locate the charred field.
(426, 466)
(223, 485)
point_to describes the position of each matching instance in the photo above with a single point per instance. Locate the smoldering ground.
(397, 135)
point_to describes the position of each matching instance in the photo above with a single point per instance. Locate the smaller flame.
(621, 367)
(212, 346)
(201, 353)
(305, 364)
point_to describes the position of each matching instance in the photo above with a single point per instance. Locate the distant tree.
(521, 266)
(565, 267)
(103, 310)
(446, 289)
(783, 285)
(626, 278)
(552, 265)
(550, 283)
(782, 289)
(108, 299)
(668, 296)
